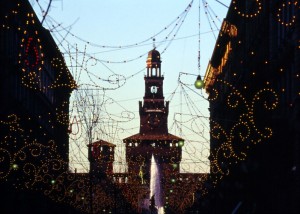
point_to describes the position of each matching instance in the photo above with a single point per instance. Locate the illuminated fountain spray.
(155, 186)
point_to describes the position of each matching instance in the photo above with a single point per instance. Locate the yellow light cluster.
(63, 71)
(282, 9)
(31, 58)
(235, 141)
(247, 14)
(42, 169)
(62, 115)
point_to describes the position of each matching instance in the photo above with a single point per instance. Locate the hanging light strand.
(182, 14)
(199, 39)
(199, 83)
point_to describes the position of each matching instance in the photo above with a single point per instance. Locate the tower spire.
(153, 63)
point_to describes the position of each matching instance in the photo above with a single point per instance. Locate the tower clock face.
(154, 89)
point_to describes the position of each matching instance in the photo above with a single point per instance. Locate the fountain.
(155, 188)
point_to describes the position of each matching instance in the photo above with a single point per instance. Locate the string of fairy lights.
(78, 60)
(93, 116)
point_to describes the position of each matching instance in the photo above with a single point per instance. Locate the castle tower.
(153, 138)
(101, 158)
(154, 111)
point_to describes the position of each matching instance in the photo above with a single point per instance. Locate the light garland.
(282, 10)
(31, 56)
(244, 13)
(74, 189)
(235, 141)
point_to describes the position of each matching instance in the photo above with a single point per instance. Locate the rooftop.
(153, 137)
(102, 143)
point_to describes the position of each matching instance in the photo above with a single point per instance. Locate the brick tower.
(101, 158)
(153, 138)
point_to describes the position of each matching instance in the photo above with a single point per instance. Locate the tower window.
(153, 72)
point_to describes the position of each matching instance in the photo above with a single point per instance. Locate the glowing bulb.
(15, 166)
(199, 84)
(181, 143)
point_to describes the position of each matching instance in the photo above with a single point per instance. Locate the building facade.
(35, 87)
(253, 86)
(35, 82)
(101, 158)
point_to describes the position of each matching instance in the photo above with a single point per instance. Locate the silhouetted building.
(35, 83)
(35, 87)
(155, 140)
(101, 157)
(253, 84)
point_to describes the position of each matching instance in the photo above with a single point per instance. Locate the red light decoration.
(32, 57)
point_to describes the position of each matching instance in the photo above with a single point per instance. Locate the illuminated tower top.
(153, 64)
